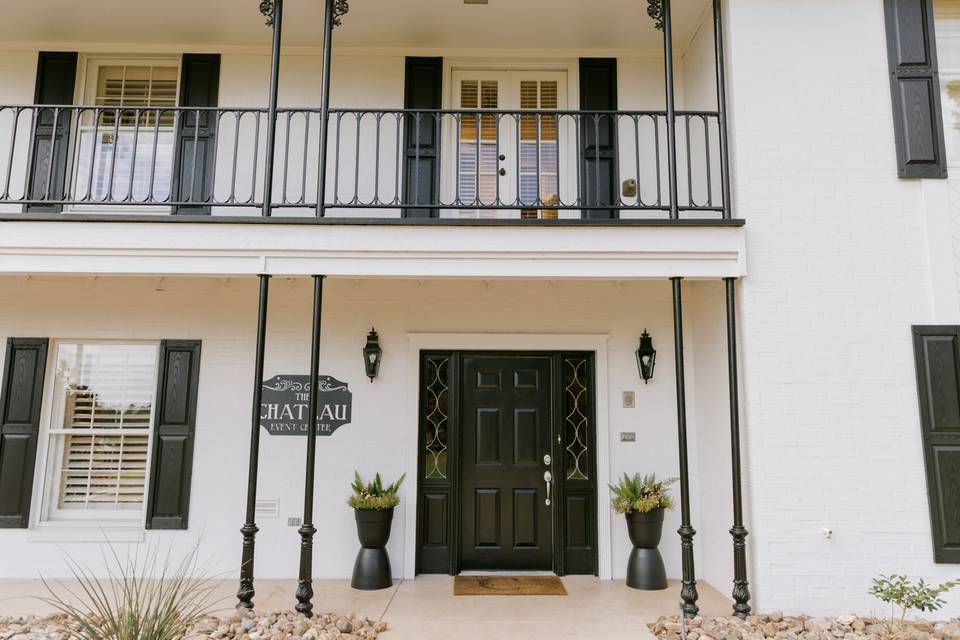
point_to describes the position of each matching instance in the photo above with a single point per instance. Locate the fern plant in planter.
(373, 505)
(643, 500)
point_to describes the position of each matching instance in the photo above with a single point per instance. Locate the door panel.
(480, 141)
(506, 414)
(542, 144)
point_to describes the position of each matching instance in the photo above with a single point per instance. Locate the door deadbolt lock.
(547, 459)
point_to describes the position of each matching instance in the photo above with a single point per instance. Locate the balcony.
(487, 164)
(546, 127)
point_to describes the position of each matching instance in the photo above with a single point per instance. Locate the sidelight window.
(577, 414)
(437, 370)
(99, 435)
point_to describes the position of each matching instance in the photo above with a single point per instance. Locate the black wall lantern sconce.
(646, 357)
(372, 354)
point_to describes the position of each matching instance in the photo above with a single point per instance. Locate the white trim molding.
(353, 250)
(594, 343)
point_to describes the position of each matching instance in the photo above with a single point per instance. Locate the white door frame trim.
(595, 343)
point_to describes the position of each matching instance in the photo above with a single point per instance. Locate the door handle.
(548, 478)
(503, 172)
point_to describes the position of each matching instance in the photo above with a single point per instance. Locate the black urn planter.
(645, 568)
(371, 571)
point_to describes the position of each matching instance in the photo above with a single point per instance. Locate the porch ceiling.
(501, 24)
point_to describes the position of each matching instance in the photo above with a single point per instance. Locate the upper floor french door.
(515, 155)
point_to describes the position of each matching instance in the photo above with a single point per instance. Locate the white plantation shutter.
(127, 145)
(947, 22)
(101, 434)
(538, 147)
(478, 149)
(136, 86)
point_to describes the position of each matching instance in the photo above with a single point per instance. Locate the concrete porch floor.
(426, 609)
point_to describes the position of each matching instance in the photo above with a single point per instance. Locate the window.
(125, 151)
(539, 154)
(478, 145)
(99, 435)
(947, 20)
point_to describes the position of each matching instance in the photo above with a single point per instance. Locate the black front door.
(506, 432)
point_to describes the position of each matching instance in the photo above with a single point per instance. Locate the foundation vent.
(268, 508)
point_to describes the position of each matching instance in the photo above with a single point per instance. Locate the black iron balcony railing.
(379, 162)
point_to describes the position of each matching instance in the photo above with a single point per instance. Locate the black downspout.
(276, 20)
(328, 22)
(722, 107)
(249, 530)
(741, 588)
(667, 22)
(688, 593)
(305, 583)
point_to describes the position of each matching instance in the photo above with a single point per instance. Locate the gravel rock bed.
(285, 625)
(777, 626)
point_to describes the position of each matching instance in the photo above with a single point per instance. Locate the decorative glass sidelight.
(436, 417)
(576, 417)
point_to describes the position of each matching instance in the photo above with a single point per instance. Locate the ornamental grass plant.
(641, 494)
(374, 495)
(150, 598)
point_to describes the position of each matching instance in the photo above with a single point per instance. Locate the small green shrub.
(908, 595)
(152, 598)
(373, 495)
(641, 494)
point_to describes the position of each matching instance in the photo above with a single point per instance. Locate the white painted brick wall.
(838, 273)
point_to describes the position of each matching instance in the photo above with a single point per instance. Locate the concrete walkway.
(426, 609)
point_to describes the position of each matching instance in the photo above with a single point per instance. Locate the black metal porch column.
(329, 21)
(273, 10)
(249, 530)
(660, 11)
(741, 588)
(722, 107)
(305, 583)
(688, 593)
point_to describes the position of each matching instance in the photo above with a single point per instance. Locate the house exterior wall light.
(646, 357)
(372, 354)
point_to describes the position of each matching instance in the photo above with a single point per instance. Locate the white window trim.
(88, 65)
(89, 523)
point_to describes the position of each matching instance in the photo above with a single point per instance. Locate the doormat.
(508, 586)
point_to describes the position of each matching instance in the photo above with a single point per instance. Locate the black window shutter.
(421, 169)
(56, 81)
(174, 426)
(937, 351)
(196, 132)
(915, 85)
(598, 139)
(20, 402)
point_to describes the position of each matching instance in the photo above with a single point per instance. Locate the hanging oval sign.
(285, 405)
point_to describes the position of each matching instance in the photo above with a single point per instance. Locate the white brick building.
(478, 211)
